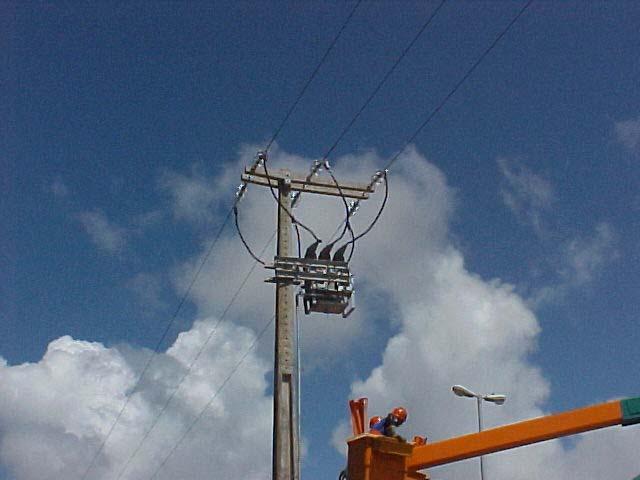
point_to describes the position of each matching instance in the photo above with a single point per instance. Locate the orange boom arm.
(623, 412)
(379, 458)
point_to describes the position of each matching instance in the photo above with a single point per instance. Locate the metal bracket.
(298, 270)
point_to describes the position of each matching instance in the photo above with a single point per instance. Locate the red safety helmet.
(400, 413)
(374, 420)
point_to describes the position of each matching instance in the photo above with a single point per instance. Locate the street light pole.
(498, 399)
(479, 403)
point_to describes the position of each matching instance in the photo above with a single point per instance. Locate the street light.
(496, 398)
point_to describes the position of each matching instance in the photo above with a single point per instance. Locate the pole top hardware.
(327, 284)
(301, 183)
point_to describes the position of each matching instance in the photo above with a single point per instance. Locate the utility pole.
(286, 444)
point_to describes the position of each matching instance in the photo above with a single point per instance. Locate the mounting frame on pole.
(327, 284)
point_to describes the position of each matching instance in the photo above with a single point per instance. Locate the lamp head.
(495, 398)
(463, 391)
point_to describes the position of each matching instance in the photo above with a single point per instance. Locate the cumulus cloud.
(628, 133)
(456, 327)
(527, 194)
(106, 235)
(257, 218)
(444, 325)
(60, 409)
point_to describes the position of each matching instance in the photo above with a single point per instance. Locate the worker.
(386, 426)
(374, 420)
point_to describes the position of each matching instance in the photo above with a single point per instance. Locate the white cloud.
(258, 220)
(193, 195)
(57, 411)
(585, 257)
(525, 193)
(59, 188)
(148, 288)
(148, 219)
(628, 133)
(106, 235)
(455, 327)
(450, 326)
(579, 263)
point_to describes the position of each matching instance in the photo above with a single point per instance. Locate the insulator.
(241, 189)
(261, 157)
(353, 207)
(378, 178)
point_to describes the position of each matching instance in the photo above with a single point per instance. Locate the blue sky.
(126, 126)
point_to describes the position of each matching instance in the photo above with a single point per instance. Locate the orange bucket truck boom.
(379, 458)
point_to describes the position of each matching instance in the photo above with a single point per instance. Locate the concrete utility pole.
(285, 413)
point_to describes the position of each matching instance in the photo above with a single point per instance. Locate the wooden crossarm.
(297, 182)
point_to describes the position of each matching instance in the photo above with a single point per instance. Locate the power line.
(433, 114)
(242, 187)
(435, 111)
(366, 103)
(347, 223)
(392, 161)
(283, 207)
(384, 79)
(193, 362)
(378, 177)
(313, 75)
(213, 397)
(244, 242)
(159, 343)
(350, 124)
(235, 211)
(208, 253)
(375, 219)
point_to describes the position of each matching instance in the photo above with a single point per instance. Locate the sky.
(506, 258)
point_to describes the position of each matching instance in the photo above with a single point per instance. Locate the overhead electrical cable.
(384, 79)
(375, 219)
(379, 177)
(192, 363)
(158, 345)
(284, 207)
(366, 103)
(295, 226)
(313, 75)
(355, 204)
(213, 397)
(468, 73)
(434, 112)
(244, 242)
(234, 210)
(288, 114)
(208, 253)
(347, 223)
